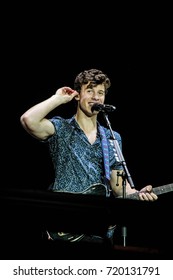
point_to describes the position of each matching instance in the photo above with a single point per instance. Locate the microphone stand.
(125, 175)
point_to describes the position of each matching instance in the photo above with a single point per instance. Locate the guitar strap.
(105, 150)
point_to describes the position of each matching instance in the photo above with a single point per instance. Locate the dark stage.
(28, 214)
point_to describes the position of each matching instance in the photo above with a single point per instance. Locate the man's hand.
(66, 94)
(147, 193)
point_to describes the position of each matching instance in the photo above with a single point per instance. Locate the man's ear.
(77, 97)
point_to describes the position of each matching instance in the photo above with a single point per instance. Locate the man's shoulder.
(59, 119)
(108, 132)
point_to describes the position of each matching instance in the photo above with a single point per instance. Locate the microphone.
(103, 108)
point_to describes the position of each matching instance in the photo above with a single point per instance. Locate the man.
(75, 144)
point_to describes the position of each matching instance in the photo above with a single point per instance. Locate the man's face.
(90, 95)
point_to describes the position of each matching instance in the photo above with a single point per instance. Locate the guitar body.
(96, 189)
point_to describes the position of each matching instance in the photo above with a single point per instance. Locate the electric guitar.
(100, 189)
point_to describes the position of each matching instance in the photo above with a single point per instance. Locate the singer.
(75, 146)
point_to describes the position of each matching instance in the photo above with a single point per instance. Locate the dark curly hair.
(94, 76)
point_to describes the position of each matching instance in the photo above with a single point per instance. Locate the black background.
(44, 47)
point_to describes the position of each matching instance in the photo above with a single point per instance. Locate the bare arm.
(145, 193)
(34, 120)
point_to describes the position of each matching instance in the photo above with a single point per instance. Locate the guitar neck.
(157, 190)
(163, 189)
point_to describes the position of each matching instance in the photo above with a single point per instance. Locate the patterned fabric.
(79, 167)
(78, 164)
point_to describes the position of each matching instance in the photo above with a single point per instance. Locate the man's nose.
(95, 95)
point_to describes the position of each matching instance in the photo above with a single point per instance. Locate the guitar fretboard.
(163, 189)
